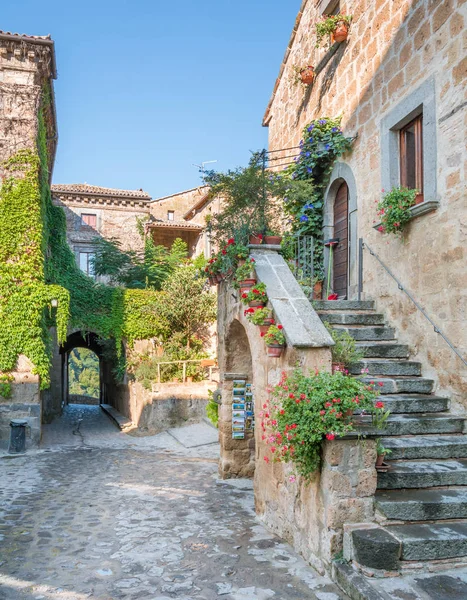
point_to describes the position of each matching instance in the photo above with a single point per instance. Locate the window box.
(419, 209)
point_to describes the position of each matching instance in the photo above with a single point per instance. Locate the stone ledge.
(353, 583)
(122, 422)
(419, 209)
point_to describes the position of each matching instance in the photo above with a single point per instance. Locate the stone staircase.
(421, 501)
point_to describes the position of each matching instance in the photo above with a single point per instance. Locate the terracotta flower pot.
(255, 308)
(256, 304)
(247, 283)
(241, 262)
(255, 239)
(318, 290)
(273, 239)
(263, 329)
(380, 460)
(418, 198)
(307, 75)
(338, 367)
(212, 280)
(341, 32)
(348, 413)
(219, 277)
(275, 350)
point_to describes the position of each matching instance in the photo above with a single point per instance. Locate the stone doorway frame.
(342, 173)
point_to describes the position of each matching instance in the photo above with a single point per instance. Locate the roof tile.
(84, 188)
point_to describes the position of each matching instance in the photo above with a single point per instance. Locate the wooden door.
(341, 231)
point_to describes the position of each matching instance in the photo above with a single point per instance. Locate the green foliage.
(380, 415)
(83, 373)
(328, 25)
(257, 317)
(6, 380)
(257, 293)
(274, 335)
(381, 450)
(305, 410)
(244, 271)
(322, 144)
(212, 410)
(394, 209)
(345, 349)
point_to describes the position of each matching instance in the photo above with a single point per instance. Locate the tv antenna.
(205, 162)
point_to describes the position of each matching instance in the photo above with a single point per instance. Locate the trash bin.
(17, 436)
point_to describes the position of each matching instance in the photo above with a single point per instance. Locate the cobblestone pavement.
(99, 514)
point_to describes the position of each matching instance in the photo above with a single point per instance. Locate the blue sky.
(146, 88)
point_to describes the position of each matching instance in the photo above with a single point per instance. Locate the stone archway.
(342, 174)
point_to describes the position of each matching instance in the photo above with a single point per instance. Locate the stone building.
(402, 72)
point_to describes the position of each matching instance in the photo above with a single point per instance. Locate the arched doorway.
(340, 221)
(83, 377)
(340, 267)
(88, 341)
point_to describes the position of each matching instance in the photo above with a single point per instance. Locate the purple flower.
(334, 129)
(308, 154)
(322, 121)
(327, 146)
(310, 128)
(304, 218)
(301, 143)
(294, 175)
(309, 205)
(308, 169)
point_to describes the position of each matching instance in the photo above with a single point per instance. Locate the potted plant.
(212, 270)
(244, 275)
(303, 75)
(318, 289)
(275, 340)
(255, 296)
(336, 26)
(381, 452)
(344, 352)
(262, 318)
(394, 209)
(379, 415)
(272, 238)
(306, 409)
(256, 238)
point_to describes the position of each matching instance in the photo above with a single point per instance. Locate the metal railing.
(302, 264)
(167, 372)
(363, 245)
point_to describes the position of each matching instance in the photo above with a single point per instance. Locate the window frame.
(170, 215)
(417, 123)
(89, 268)
(83, 222)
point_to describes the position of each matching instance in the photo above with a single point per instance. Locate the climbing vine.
(321, 145)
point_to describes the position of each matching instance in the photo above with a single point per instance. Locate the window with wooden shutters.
(411, 156)
(90, 220)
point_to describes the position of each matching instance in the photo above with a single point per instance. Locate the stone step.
(423, 505)
(426, 446)
(387, 367)
(343, 304)
(418, 424)
(423, 474)
(383, 350)
(385, 548)
(401, 385)
(416, 403)
(357, 318)
(431, 542)
(369, 334)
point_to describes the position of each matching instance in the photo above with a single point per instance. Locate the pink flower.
(381, 229)
(330, 436)
(266, 459)
(379, 405)
(273, 449)
(380, 383)
(322, 412)
(292, 479)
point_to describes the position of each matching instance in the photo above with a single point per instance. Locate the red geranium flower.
(330, 436)
(379, 405)
(231, 241)
(280, 327)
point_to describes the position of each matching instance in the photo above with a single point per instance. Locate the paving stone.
(120, 516)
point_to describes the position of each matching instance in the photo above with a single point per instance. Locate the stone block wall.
(166, 405)
(395, 49)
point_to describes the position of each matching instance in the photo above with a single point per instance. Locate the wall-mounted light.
(54, 303)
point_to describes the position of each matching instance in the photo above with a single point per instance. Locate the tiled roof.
(94, 190)
(24, 35)
(199, 188)
(174, 225)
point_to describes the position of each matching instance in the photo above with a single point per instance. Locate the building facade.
(401, 75)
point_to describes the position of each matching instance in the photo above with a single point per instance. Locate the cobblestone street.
(99, 514)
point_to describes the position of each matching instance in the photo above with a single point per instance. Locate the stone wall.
(401, 55)
(310, 517)
(166, 405)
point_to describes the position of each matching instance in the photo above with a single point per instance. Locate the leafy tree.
(83, 373)
(138, 270)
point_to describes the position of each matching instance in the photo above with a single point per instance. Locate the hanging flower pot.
(341, 32)
(253, 309)
(273, 239)
(307, 75)
(274, 350)
(256, 304)
(256, 238)
(263, 329)
(212, 280)
(219, 277)
(247, 283)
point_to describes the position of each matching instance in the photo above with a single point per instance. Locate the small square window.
(411, 156)
(90, 220)
(170, 215)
